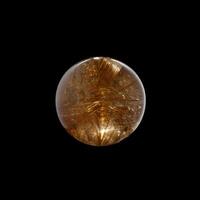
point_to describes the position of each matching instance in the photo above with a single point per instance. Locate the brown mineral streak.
(100, 102)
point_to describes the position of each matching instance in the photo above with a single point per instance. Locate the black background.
(49, 46)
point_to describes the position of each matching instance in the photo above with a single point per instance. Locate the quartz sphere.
(100, 101)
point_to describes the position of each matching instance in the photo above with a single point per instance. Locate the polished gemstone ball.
(100, 101)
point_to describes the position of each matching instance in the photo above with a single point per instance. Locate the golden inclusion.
(100, 101)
